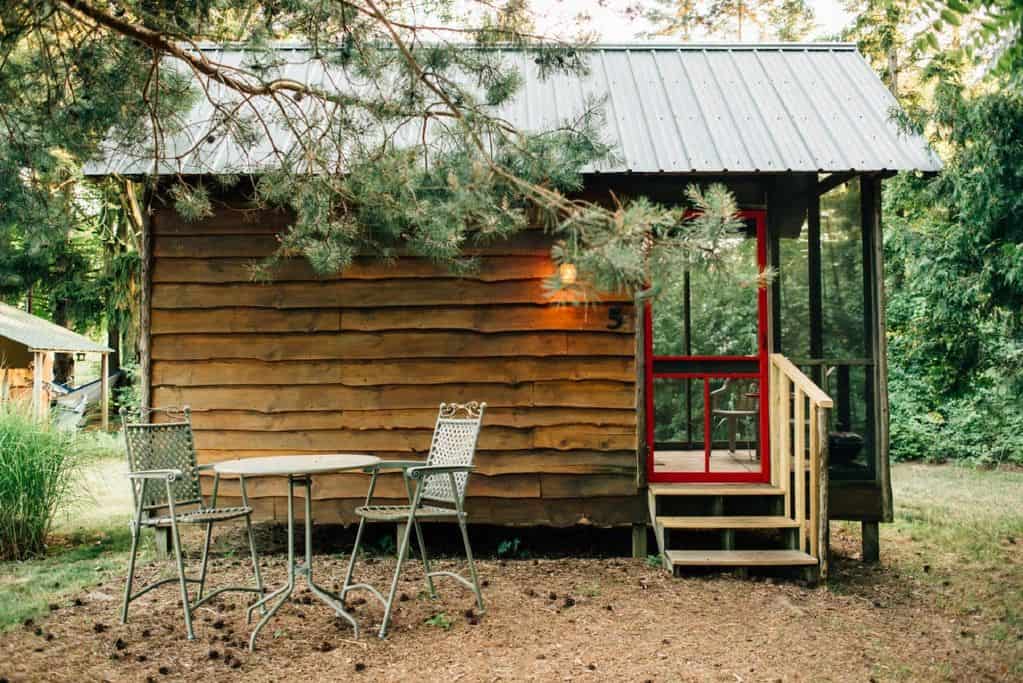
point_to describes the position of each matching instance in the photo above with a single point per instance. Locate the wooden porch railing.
(799, 412)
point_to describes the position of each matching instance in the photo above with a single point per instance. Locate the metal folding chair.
(165, 490)
(440, 494)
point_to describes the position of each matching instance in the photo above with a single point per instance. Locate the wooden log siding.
(359, 362)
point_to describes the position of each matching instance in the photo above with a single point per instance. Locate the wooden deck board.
(715, 490)
(728, 522)
(738, 558)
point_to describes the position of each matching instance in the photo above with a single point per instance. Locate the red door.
(706, 369)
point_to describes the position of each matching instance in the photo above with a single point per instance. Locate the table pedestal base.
(295, 570)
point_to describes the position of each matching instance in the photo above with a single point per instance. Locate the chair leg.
(205, 558)
(472, 564)
(138, 491)
(406, 537)
(426, 559)
(135, 532)
(252, 542)
(185, 604)
(351, 560)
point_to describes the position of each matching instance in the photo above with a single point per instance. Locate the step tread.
(715, 490)
(738, 558)
(727, 522)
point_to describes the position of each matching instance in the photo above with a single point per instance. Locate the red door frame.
(764, 475)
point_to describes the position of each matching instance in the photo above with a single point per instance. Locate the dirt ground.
(546, 620)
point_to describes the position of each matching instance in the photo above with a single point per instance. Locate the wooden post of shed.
(37, 384)
(104, 392)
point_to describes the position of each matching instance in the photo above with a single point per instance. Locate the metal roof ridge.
(610, 46)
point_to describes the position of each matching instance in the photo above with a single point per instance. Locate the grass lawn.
(89, 546)
(960, 531)
(946, 603)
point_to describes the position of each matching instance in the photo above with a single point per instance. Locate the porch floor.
(721, 460)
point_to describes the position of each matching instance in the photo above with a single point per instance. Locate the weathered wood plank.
(412, 418)
(561, 438)
(354, 294)
(240, 270)
(489, 318)
(596, 485)
(584, 394)
(487, 462)
(570, 437)
(388, 486)
(588, 394)
(256, 245)
(245, 320)
(561, 512)
(504, 370)
(235, 219)
(387, 345)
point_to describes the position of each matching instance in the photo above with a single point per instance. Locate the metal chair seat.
(201, 516)
(401, 512)
(441, 479)
(164, 475)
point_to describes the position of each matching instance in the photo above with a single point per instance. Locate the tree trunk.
(63, 363)
(114, 342)
(893, 71)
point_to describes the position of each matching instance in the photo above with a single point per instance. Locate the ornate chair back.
(454, 443)
(163, 445)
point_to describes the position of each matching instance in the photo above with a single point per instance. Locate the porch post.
(37, 384)
(871, 203)
(104, 393)
(639, 548)
(871, 541)
(813, 235)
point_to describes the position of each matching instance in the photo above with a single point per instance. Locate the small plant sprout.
(440, 619)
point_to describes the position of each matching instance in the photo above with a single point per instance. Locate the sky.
(607, 20)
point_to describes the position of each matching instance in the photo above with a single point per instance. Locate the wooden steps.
(715, 490)
(738, 558)
(748, 521)
(728, 522)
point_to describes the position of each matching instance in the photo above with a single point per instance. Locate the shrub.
(983, 428)
(38, 465)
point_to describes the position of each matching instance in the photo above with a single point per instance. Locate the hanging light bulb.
(567, 273)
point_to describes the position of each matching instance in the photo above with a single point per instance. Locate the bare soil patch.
(546, 619)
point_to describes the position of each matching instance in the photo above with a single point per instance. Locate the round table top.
(279, 465)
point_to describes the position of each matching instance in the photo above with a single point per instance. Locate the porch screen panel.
(848, 362)
(793, 280)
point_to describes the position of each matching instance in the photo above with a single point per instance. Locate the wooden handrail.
(799, 412)
(796, 376)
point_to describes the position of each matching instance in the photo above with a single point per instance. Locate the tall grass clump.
(38, 465)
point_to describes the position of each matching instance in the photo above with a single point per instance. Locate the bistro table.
(299, 469)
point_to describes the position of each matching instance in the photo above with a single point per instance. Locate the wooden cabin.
(28, 345)
(713, 409)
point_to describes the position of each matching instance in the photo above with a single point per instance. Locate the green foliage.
(191, 202)
(996, 32)
(786, 20)
(385, 546)
(954, 253)
(409, 154)
(38, 466)
(440, 620)
(640, 247)
(129, 394)
(510, 547)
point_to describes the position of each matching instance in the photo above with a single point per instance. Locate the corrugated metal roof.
(704, 108)
(42, 335)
